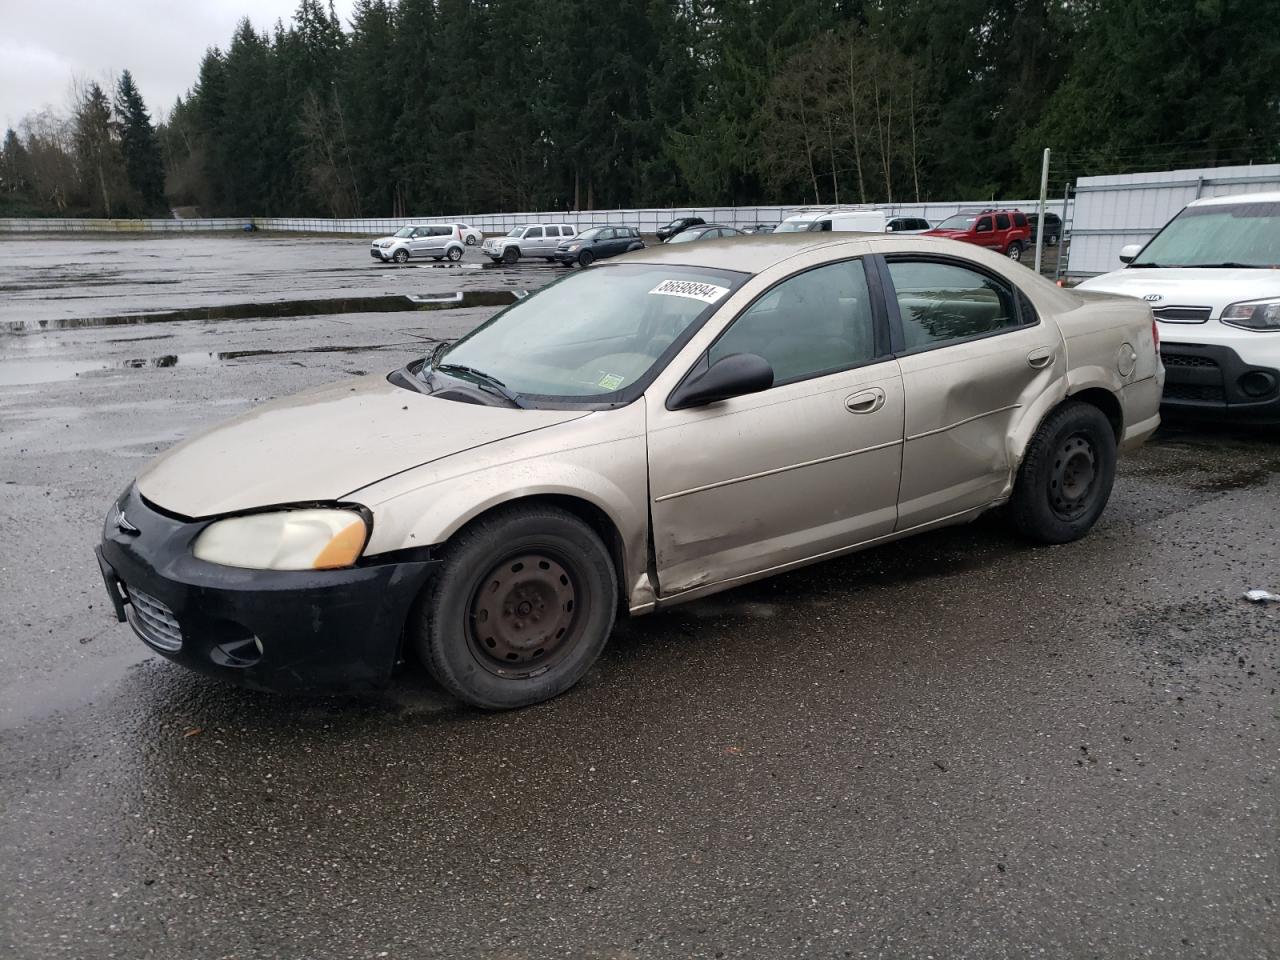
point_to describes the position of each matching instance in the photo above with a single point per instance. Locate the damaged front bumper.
(321, 631)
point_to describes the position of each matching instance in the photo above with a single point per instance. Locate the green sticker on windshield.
(611, 381)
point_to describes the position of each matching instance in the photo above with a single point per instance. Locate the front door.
(806, 468)
(973, 356)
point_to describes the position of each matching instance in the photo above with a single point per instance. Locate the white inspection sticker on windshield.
(706, 292)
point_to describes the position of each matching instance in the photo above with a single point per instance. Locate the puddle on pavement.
(284, 309)
(15, 373)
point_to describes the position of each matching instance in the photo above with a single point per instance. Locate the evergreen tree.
(143, 163)
(99, 162)
(15, 164)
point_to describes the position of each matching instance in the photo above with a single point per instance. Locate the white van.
(1212, 278)
(835, 220)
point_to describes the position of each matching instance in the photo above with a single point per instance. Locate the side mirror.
(1129, 252)
(731, 376)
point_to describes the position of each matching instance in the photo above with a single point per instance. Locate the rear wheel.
(1066, 475)
(454, 254)
(1014, 252)
(522, 609)
(510, 255)
(586, 258)
(401, 256)
(471, 240)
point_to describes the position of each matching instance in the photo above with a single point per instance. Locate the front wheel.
(522, 609)
(1014, 252)
(510, 255)
(586, 258)
(401, 256)
(1066, 475)
(454, 254)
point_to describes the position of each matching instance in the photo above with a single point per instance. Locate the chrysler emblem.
(123, 523)
(1153, 297)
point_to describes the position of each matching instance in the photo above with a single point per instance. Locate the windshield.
(590, 234)
(793, 226)
(961, 221)
(404, 232)
(688, 236)
(593, 334)
(515, 232)
(1241, 234)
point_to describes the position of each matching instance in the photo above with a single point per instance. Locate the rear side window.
(442, 231)
(942, 303)
(1002, 221)
(1020, 220)
(817, 322)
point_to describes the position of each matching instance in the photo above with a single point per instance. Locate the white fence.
(1109, 212)
(84, 225)
(648, 220)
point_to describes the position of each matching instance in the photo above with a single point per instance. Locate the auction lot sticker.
(706, 292)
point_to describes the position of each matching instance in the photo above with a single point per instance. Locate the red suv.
(1003, 230)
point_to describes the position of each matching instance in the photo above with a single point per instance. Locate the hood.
(1189, 286)
(325, 444)
(938, 232)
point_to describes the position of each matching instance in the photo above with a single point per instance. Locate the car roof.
(1271, 196)
(757, 252)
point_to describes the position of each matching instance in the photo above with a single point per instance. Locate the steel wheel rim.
(525, 615)
(1073, 477)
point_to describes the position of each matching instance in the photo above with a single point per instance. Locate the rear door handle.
(1041, 358)
(865, 401)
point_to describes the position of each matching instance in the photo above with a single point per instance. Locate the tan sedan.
(670, 424)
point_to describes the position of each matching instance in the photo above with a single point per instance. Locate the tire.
(1014, 252)
(471, 240)
(586, 258)
(454, 254)
(510, 255)
(401, 256)
(496, 259)
(1066, 475)
(538, 559)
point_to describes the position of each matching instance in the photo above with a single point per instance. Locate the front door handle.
(1041, 357)
(865, 401)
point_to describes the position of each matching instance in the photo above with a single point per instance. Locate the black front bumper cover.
(321, 631)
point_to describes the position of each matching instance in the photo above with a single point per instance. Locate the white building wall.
(1109, 212)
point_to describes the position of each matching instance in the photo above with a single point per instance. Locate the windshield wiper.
(494, 385)
(1232, 264)
(1152, 266)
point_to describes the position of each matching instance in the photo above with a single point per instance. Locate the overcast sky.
(45, 42)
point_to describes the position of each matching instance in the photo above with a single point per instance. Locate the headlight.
(574, 246)
(1253, 315)
(311, 539)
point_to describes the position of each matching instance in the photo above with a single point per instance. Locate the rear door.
(806, 468)
(973, 355)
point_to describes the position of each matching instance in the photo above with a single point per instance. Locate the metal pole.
(1062, 237)
(1044, 194)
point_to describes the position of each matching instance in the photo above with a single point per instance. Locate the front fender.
(599, 460)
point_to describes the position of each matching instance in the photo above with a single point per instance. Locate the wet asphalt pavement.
(954, 746)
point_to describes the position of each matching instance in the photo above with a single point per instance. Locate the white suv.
(436, 241)
(1211, 278)
(530, 240)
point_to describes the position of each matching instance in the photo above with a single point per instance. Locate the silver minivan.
(529, 240)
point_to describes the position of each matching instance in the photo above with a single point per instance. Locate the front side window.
(816, 322)
(595, 333)
(533, 233)
(942, 302)
(983, 225)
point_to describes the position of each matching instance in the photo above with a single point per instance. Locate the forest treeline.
(424, 107)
